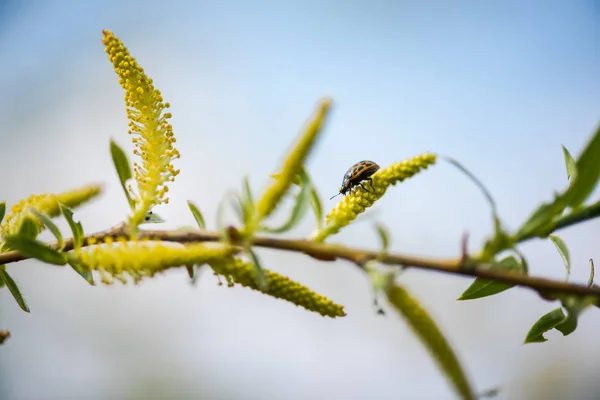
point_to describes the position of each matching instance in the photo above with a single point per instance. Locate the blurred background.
(497, 85)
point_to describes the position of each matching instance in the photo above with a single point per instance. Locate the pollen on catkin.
(139, 259)
(358, 200)
(292, 165)
(279, 286)
(151, 132)
(46, 203)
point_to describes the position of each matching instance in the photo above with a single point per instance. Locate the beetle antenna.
(335, 196)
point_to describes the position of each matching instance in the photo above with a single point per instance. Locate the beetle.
(356, 174)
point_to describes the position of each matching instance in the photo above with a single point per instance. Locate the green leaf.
(13, 288)
(46, 221)
(197, 215)
(259, 272)
(574, 305)
(240, 208)
(541, 221)
(432, 338)
(248, 192)
(190, 270)
(300, 207)
(29, 228)
(222, 229)
(246, 202)
(2, 210)
(484, 287)
(36, 249)
(76, 227)
(384, 237)
(568, 326)
(584, 178)
(85, 273)
(563, 251)
(591, 278)
(221, 217)
(193, 272)
(123, 168)
(570, 164)
(317, 206)
(588, 172)
(544, 324)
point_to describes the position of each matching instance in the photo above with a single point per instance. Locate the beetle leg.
(361, 185)
(371, 182)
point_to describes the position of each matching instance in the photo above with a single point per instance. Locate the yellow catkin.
(279, 286)
(139, 259)
(359, 200)
(151, 132)
(431, 336)
(292, 165)
(76, 197)
(46, 203)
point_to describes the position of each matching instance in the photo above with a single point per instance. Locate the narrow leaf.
(588, 172)
(563, 251)
(193, 272)
(240, 209)
(197, 215)
(317, 206)
(574, 305)
(221, 219)
(540, 221)
(591, 279)
(83, 272)
(544, 324)
(76, 227)
(484, 287)
(29, 228)
(123, 168)
(190, 270)
(569, 325)
(384, 237)
(2, 210)
(432, 338)
(197, 273)
(570, 164)
(36, 249)
(300, 207)
(248, 192)
(259, 272)
(47, 222)
(246, 202)
(14, 289)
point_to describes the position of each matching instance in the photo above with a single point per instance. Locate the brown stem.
(547, 288)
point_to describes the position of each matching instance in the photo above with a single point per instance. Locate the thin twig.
(547, 288)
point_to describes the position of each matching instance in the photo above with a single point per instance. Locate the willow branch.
(547, 288)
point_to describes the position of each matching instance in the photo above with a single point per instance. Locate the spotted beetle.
(357, 173)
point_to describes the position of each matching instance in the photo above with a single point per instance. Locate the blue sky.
(497, 85)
